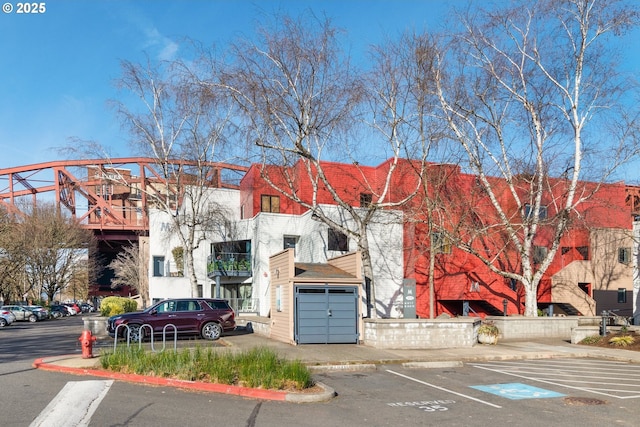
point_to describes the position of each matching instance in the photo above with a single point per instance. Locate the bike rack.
(142, 328)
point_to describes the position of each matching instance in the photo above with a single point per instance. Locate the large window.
(270, 204)
(158, 266)
(622, 295)
(337, 241)
(528, 211)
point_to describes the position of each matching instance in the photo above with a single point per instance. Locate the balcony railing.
(229, 264)
(244, 305)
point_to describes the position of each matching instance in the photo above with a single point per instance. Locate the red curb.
(157, 381)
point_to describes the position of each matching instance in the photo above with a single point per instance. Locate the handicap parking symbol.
(517, 391)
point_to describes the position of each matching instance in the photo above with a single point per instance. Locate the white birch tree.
(184, 129)
(302, 103)
(530, 91)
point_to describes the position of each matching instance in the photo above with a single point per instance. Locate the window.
(624, 255)
(337, 241)
(187, 306)
(441, 243)
(622, 295)
(290, 242)
(158, 266)
(539, 254)
(270, 204)
(365, 200)
(584, 251)
(528, 211)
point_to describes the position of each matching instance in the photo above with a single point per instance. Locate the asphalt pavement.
(324, 357)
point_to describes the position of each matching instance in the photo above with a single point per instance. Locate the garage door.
(326, 314)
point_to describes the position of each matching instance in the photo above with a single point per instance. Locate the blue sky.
(58, 68)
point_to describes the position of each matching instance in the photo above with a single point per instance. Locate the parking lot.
(550, 391)
(604, 378)
(527, 392)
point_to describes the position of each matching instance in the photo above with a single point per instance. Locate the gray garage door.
(326, 314)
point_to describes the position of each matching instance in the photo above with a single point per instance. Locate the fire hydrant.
(86, 340)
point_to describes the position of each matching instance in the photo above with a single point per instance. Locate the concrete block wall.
(420, 333)
(524, 328)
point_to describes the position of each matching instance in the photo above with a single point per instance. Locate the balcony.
(244, 305)
(229, 264)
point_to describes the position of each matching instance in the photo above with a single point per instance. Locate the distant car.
(6, 318)
(87, 308)
(21, 313)
(57, 311)
(206, 317)
(75, 307)
(40, 312)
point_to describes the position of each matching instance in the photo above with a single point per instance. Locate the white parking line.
(74, 405)
(444, 389)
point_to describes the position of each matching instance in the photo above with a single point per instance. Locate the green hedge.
(110, 306)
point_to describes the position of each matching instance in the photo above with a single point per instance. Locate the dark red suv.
(206, 317)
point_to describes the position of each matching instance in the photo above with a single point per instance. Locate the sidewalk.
(323, 357)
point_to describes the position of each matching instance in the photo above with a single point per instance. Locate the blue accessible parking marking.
(517, 391)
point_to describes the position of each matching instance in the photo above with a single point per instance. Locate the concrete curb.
(276, 395)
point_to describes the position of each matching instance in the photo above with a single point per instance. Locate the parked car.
(6, 318)
(87, 308)
(57, 311)
(21, 313)
(73, 308)
(40, 312)
(206, 317)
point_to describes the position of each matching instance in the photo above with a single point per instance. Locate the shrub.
(594, 339)
(622, 341)
(489, 328)
(110, 306)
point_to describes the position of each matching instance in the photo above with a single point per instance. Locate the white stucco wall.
(161, 242)
(266, 232)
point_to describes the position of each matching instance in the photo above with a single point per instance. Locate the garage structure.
(316, 303)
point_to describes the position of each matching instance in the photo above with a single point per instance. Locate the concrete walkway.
(323, 357)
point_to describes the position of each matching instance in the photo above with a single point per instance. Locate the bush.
(110, 306)
(488, 328)
(591, 340)
(622, 341)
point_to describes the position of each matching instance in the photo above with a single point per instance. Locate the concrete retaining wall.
(524, 328)
(97, 325)
(457, 332)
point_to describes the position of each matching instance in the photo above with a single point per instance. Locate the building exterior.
(235, 261)
(592, 271)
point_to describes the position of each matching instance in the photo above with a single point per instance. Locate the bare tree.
(183, 128)
(531, 91)
(128, 271)
(302, 105)
(11, 258)
(53, 248)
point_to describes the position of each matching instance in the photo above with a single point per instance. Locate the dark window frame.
(159, 266)
(543, 214)
(622, 296)
(624, 255)
(337, 240)
(365, 200)
(269, 203)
